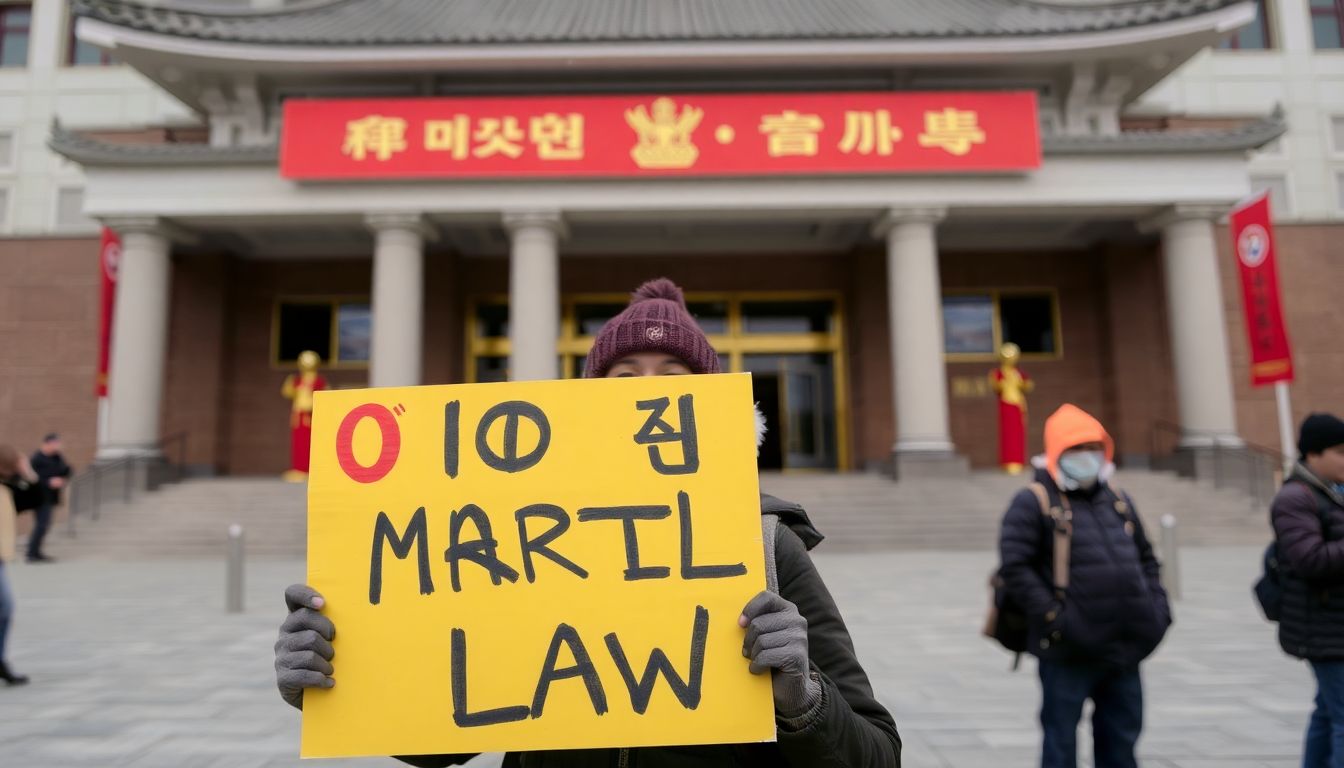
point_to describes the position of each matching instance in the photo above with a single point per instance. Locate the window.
(976, 325)
(1277, 186)
(338, 331)
(6, 151)
(1254, 36)
(787, 316)
(4, 209)
(1336, 135)
(1339, 191)
(70, 211)
(15, 24)
(1326, 17)
(80, 53)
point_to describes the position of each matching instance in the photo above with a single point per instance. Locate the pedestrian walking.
(52, 475)
(825, 711)
(1076, 561)
(16, 477)
(1308, 519)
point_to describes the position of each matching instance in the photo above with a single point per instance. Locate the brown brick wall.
(254, 422)
(1077, 377)
(49, 327)
(1311, 276)
(1141, 382)
(223, 390)
(193, 386)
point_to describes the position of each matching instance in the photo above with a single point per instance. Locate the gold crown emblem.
(664, 134)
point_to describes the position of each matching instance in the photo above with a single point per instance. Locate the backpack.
(1007, 622)
(1268, 589)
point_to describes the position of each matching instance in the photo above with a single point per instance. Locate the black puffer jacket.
(847, 729)
(1115, 610)
(1308, 521)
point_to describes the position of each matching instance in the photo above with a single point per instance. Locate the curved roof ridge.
(418, 22)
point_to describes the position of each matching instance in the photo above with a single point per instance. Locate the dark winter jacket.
(847, 729)
(1115, 610)
(1308, 519)
(46, 468)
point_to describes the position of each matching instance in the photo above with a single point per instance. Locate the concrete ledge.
(912, 464)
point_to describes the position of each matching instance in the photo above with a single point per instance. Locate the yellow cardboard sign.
(538, 565)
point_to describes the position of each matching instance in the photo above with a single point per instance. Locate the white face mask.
(1080, 469)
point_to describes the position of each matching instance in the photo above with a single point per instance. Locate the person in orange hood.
(1091, 624)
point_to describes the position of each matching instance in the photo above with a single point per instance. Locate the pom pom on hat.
(660, 288)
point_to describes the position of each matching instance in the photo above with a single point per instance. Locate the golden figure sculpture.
(299, 389)
(1012, 386)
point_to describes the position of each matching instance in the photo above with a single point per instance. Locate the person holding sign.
(825, 710)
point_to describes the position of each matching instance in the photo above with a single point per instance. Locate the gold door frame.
(735, 344)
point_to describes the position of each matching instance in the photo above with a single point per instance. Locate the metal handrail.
(1261, 468)
(88, 487)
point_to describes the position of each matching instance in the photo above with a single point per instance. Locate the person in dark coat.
(1308, 519)
(1090, 636)
(52, 475)
(825, 712)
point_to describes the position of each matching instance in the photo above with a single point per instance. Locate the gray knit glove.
(303, 652)
(777, 640)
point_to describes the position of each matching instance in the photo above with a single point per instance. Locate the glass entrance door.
(796, 392)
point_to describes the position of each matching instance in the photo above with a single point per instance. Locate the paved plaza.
(136, 664)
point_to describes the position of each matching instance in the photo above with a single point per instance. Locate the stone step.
(857, 512)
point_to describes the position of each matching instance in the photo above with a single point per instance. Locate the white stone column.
(397, 308)
(139, 340)
(1198, 327)
(919, 376)
(534, 294)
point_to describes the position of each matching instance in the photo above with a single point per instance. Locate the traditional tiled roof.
(1250, 135)
(465, 22)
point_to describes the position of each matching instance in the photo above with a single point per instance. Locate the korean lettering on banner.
(550, 136)
(1257, 264)
(538, 565)
(707, 134)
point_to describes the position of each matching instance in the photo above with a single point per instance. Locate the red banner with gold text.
(657, 136)
(1253, 243)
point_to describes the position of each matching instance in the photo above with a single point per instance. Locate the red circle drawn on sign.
(387, 457)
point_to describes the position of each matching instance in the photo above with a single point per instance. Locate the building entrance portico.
(860, 373)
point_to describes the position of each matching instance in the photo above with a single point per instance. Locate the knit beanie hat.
(1320, 432)
(656, 321)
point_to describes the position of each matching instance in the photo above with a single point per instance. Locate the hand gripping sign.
(539, 565)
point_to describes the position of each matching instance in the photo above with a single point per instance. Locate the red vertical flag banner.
(109, 257)
(1253, 242)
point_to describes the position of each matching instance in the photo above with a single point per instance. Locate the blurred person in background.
(17, 480)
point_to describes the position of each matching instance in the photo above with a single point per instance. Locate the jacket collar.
(1302, 474)
(794, 516)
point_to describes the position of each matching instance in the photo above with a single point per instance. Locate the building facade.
(867, 306)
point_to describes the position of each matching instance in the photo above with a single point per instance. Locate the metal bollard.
(234, 587)
(1171, 558)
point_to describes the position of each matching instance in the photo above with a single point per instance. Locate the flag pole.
(1285, 427)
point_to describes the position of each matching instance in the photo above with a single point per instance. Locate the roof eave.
(659, 54)
(94, 153)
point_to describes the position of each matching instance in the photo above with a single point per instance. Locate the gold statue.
(1012, 386)
(299, 388)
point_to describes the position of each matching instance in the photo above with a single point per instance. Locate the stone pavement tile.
(981, 758)
(135, 664)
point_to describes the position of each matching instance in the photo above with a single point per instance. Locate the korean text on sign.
(642, 135)
(540, 565)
